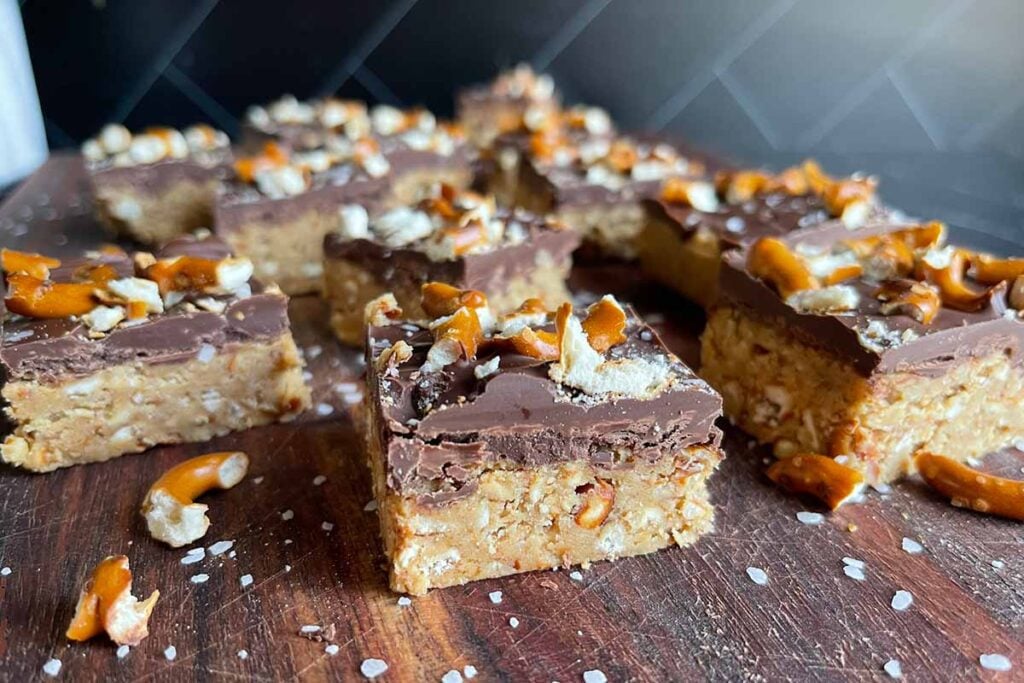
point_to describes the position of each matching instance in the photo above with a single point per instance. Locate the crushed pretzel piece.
(919, 300)
(273, 156)
(381, 311)
(946, 269)
(605, 324)
(36, 265)
(771, 260)
(818, 476)
(171, 513)
(597, 502)
(824, 301)
(989, 270)
(539, 344)
(106, 604)
(580, 366)
(393, 356)
(35, 298)
(440, 299)
(463, 327)
(969, 488)
(698, 194)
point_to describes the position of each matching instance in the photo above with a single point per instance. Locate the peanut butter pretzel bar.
(499, 165)
(506, 103)
(108, 355)
(156, 185)
(283, 200)
(531, 440)
(691, 222)
(303, 125)
(453, 236)
(869, 346)
(597, 184)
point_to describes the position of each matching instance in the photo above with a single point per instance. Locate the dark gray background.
(927, 94)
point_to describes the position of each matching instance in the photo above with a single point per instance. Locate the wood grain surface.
(681, 614)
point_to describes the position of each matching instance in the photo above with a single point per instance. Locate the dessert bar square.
(505, 444)
(419, 149)
(283, 200)
(596, 184)
(107, 355)
(278, 205)
(303, 125)
(498, 169)
(869, 345)
(453, 236)
(156, 185)
(505, 104)
(691, 222)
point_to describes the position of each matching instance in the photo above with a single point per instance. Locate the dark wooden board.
(681, 614)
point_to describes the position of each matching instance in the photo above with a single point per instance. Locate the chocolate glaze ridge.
(53, 350)
(952, 337)
(488, 271)
(439, 431)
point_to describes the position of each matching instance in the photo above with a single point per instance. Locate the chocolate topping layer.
(241, 203)
(905, 345)
(152, 178)
(55, 349)
(766, 215)
(487, 271)
(439, 430)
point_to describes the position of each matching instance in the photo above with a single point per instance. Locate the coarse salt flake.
(220, 547)
(594, 676)
(853, 562)
(757, 575)
(853, 572)
(893, 668)
(912, 547)
(495, 597)
(995, 662)
(194, 555)
(902, 600)
(206, 353)
(371, 668)
(245, 580)
(52, 667)
(812, 518)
